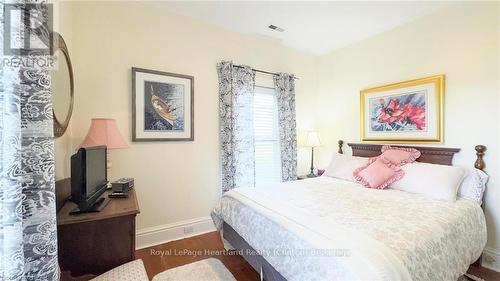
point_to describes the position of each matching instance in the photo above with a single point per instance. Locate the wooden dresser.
(93, 243)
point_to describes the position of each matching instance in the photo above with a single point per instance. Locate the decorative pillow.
(342, 166)
(431, 180)
(400, 155)
(473, 185)
(378, 173)
(320, 172)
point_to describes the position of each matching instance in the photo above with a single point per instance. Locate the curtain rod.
(261, 71)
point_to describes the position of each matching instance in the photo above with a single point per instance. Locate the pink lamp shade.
(103, 131)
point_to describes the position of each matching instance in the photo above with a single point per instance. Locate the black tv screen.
(95, 170)
(88, 176)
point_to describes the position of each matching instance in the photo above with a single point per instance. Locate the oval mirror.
(62, 85)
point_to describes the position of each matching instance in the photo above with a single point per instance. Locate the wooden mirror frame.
(58, 43)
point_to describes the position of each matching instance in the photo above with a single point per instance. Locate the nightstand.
(93, 243)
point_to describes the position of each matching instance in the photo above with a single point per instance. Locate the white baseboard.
(156, 235)
(491, 259)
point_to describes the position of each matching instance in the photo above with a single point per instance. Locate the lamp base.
(108, 160)
(108, 168)
(311, 175)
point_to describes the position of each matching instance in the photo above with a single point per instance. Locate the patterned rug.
(469, 277)
(205, 270)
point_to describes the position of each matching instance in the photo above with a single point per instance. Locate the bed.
(332, 229)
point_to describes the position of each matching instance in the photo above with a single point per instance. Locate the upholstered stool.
(131, 271)
(205, 270)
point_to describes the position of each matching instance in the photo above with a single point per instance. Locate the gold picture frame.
(404, 112)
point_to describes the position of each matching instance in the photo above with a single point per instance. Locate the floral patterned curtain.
(285, 91)
(236, 90)
(28, 235)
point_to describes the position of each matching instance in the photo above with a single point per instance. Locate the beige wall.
(175, 181)
(461, 42)
(63, 24)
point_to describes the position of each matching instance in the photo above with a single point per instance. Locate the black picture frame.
(166, 134)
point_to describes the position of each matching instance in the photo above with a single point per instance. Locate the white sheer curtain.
(28, 234)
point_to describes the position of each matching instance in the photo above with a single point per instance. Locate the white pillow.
(473, 185)
(431, 180)
(342, 166)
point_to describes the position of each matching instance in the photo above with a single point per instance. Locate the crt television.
(89, 178)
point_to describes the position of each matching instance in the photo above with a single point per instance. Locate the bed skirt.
(260, 264)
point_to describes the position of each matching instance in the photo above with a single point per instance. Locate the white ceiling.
(314, 27)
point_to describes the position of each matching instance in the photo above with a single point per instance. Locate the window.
(267, 145)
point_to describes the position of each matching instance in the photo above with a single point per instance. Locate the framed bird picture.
(408, 111)
(162, 106)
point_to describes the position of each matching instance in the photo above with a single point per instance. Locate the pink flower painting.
(401, 113)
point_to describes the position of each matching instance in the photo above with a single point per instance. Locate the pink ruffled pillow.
(378, 173)
(400, 155)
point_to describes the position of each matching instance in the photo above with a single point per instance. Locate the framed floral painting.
(409, 111)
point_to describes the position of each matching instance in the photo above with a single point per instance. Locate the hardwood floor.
(486, 274)
(161, 257)
(169, 255)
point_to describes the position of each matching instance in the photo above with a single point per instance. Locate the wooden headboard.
(434, 155)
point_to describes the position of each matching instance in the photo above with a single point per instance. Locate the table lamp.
(103, 131)
(313, 141)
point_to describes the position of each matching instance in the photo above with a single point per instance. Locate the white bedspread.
(328, 229)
